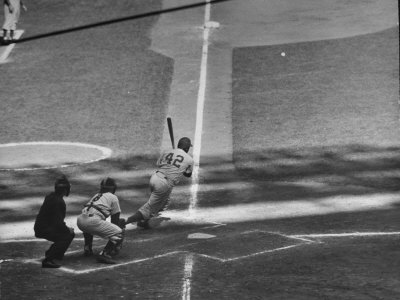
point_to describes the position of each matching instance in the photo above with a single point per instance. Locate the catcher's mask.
(185, 144)
(62, 185)
(108, 185)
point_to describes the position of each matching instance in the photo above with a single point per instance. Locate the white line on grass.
(345, 234)
(10, 47)
(200, 110)
(187, 276)
(189, 256)
(69, 270)
(249, 255)
(197, 144)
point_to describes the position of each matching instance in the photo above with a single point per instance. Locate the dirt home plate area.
(211, 242)
(292, 108)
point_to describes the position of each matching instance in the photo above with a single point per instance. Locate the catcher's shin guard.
(114, 245)
(88, 244)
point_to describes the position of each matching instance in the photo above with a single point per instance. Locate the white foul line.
(345, 234)
(187, 276)
(10, 47)
(200, 110)
(197, 144)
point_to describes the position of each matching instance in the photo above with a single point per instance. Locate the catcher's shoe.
(105, 259)
(87, 250)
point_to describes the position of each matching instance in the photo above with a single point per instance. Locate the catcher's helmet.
(62, 185)
(184, 144)
(108, 185)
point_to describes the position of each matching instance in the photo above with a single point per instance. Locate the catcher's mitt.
(122, 223)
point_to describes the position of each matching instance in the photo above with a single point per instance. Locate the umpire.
(50, 223)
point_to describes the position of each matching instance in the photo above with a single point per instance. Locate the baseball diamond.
(284, 182)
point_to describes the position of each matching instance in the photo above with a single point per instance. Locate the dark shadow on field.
(116, 20)
(267, 176)
(285, 174)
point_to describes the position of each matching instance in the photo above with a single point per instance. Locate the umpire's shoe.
(48, 263)
(105, 259)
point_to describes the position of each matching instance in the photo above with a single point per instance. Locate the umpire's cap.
(62, 185)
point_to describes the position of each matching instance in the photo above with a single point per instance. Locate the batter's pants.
(160, 191)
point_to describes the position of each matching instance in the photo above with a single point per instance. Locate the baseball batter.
(172, 165)
(93, 221)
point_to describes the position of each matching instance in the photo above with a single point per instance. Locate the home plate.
(199, 235)
(211, 24)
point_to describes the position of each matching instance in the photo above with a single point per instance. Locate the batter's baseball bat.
(171, 132)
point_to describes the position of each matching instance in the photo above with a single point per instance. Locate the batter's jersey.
(174, 163)
(103, 205)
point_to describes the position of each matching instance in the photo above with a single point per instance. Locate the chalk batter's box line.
(72, 271)
(346, 234)
(250, 255)
(68, 270)
(298, 237)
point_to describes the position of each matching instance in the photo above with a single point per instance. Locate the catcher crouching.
(93, 221)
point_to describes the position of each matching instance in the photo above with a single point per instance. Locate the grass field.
(308, 207)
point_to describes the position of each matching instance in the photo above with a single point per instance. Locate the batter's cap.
(184, 143)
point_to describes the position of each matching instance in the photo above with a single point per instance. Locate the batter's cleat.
(155, 222)
(105, 259)
(48, 263)
(144, 224)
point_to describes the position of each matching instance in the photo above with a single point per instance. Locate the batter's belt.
(162, 175)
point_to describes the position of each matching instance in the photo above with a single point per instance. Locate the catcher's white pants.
(95, 225)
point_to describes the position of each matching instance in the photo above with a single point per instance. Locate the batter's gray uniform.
(94, 215)
(172, 165)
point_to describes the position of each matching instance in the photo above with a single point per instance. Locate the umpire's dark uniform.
(50, 224)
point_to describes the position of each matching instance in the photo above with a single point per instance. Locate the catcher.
(172, 166)
(93, 221)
